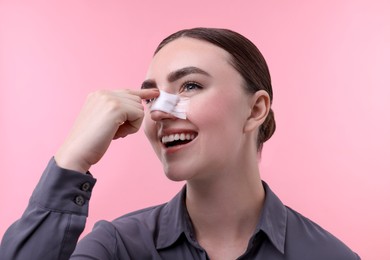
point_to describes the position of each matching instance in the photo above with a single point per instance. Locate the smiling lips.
(177, 139)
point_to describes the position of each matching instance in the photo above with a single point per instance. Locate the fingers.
(139, 93)
(146, 93)
(106, 115)
(133, 110)
(120, 106)
(128, 128)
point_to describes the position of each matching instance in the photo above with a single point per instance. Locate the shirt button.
(86, 186)
(79, 200)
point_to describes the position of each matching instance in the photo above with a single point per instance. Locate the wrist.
(71, 164)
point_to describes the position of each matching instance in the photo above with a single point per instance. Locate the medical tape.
(172, 104)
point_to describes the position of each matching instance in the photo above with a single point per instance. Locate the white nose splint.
(172, 104)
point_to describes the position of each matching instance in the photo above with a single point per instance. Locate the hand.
(105, 116)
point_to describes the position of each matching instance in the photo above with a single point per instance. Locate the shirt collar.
(174, 220)
(273, 219)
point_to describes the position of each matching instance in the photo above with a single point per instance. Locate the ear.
(260, 105)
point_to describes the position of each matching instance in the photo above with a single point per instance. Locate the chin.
(175, 178)
(176, 174)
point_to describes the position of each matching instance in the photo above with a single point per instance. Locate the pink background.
(329, 62)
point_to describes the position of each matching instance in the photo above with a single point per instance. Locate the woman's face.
(217, 112)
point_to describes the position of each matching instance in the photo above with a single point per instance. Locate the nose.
(158, 115)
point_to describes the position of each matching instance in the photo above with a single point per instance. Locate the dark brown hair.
(246, 59)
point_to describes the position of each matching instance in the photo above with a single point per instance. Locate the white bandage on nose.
(172, 104)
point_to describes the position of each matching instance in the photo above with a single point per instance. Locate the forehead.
(185, 52)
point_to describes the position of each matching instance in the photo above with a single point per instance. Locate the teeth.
(175, 137)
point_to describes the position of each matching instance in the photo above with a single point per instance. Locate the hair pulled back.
(245, 58)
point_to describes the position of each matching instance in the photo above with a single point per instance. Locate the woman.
(224, 211)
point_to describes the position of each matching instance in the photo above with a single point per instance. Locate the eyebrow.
(174, 76)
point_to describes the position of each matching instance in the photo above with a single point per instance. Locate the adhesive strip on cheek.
(172, 104)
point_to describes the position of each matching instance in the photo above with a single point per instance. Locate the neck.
(228, 206)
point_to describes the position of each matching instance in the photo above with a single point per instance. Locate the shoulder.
(131, 236)
(144, 219)
(140, 221)
(311, 241)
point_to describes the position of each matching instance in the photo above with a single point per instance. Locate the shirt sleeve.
(54, 218)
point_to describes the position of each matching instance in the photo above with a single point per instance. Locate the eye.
(190, 86)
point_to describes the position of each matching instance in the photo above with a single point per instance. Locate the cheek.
(218, 112)
(208, 112)
(149, 127)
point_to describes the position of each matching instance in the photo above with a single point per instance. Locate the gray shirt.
(58, 207)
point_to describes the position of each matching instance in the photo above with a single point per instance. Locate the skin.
(106, 115)
(220, 165)
(224, 191)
